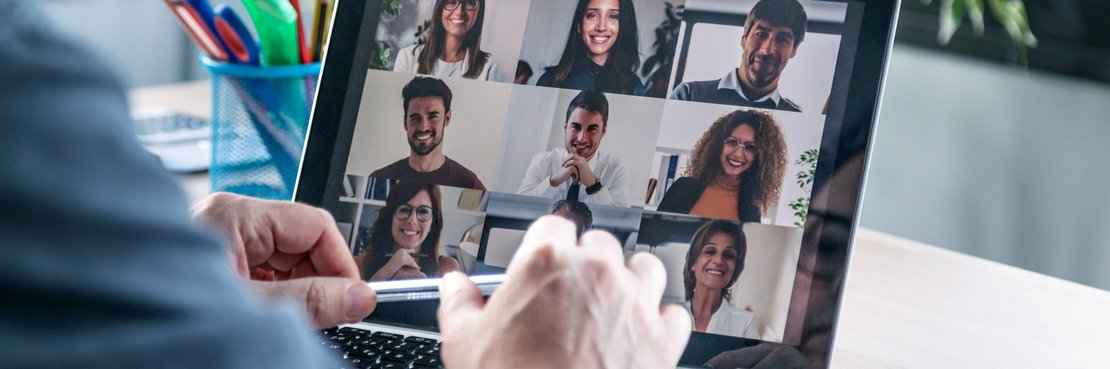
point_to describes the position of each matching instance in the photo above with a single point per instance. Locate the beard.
(422, 149)
(771, 69)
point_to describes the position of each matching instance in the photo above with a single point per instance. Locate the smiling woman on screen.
(404, 241)
(602, 50)
(453, 47)
(713, 263)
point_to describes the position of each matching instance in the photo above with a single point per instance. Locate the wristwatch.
(594, 188)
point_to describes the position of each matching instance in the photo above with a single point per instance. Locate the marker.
(428, 288)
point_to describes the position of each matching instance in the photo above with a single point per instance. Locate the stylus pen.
(428, 289)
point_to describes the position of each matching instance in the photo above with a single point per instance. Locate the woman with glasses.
(735, 170)
(404, 240)
(713, 264)
(602, 51)
(453, 45)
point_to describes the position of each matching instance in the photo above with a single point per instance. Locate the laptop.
(727, 137)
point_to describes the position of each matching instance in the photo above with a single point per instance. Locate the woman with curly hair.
(735, 170)
(453, 47)
(602, 52)
(404, 240)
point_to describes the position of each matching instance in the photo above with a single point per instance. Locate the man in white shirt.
(577, 171)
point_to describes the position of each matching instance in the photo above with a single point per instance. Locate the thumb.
(328, 301)
(459, 300)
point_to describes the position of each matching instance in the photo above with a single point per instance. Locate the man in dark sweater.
(427, 104)
(773, 31)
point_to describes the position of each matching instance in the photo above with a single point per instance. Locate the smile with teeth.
(711, 271)
(423, 136)
(600, 39)
(736, 163)
(457, 21)
(410, 232)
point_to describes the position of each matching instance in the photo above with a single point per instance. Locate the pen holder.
(259, 123)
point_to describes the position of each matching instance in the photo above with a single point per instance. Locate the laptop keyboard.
(363, 349)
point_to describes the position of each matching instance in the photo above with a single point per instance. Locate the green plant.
(804, 179)
(657, 67)
(1009, 13)
(380, 59)
(390, 8)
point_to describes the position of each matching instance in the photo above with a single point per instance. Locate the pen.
(276, 24)
(428, 289)
(302, 48)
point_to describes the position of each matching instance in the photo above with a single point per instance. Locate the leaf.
(975, 13)
(951, 15)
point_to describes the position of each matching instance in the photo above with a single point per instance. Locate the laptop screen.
(701, 131)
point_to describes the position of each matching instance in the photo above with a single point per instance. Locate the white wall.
(501, 36)
(764, 285)
(473, 137)
(995, 161)
(549, 22)
(685, 122)
(633, 124)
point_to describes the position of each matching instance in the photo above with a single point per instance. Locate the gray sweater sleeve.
(101, 265)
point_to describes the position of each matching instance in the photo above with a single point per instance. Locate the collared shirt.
(726, 90)
(731, 81)
(729, 320)
(614, 177)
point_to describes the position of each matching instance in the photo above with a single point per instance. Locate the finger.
(603, 243)
(301, 229)
(552, 231)
(459, 302)
(653, 277)
(329, 301)
(676, 331)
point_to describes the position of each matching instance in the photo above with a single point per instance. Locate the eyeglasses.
(423, 212)
(731, 144)
(454, 4)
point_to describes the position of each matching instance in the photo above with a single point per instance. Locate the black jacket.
(686, 191)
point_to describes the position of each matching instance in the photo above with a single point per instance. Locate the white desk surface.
(906, 304)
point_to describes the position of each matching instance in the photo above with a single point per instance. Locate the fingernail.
(358, 302)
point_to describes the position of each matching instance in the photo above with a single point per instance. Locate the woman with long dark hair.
(713, 263)
(601, 52)
(735, 170)
(453, 46)
(404, 240)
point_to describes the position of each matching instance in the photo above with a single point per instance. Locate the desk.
(906, 304)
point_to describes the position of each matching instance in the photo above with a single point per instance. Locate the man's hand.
(562, 175)
(295, 245)
(564, 306)
(582, 170)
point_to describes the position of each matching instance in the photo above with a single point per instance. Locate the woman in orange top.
(735, 170)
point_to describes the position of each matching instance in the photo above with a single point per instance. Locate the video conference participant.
(773, 31)
(427, 103)
(713, 263)
(577, 172)
(575, 211)
(601, 52)
(453, 47)
(735, 170)
(404, 240)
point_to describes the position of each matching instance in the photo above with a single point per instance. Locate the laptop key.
(388, 336)
(401, 346)
(421, 340)
(398, 357)
(427, 360)
(366, 352)
(359, 362)
(389, 365)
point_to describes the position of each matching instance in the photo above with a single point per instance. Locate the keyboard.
(363, 349)
(181, 142)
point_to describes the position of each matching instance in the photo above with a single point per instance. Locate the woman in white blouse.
(453, 46)
(713, 263)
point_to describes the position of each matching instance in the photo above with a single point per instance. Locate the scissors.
(220, 32)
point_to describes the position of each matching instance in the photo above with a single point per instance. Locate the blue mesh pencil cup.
(259, 123)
